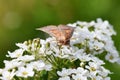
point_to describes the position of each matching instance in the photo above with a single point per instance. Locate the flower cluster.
(95, 38)
(46, 60)
(91, 69)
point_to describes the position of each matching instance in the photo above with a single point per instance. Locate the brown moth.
(62, 33)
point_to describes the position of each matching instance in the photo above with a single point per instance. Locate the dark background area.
(20, 18)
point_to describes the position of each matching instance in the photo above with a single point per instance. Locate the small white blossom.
(107, 78)
(64, 72)
(12, 64)
(81, 71)
(26, 58)
(25, 72)
(48, 67)
(93, 68)
(82, 56)
(111, 57)
(40, 65)
(96, 45)
(1, 70)
(79, 77)
(97, 60)
(22, 46)
(7, 75)
(17, 53)
(103, 72)
(64, 78)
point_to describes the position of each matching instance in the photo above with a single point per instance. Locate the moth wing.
(51, 30)
(67, 30)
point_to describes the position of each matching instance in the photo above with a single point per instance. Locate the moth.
(62, 33)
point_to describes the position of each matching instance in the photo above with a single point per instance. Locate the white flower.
(103, 72)
(65, 52)
(12, 64)
(112, 58)
(82, 56)
(64, 72)
(47, 46)
(22, 46)
(29, 45)
(26, 58)
(17, 53)
(94, 77)
(79, 77)
(72, 25)
(40, 65)
(64, 78)
(25, 72)
(7, 75)
(118, 61)
(42, 48)
(80, 35)
(105, 27)
(81, 71)
(96, 45)
(1, 70)
(97, 61)
(93, 68)
(107, 78)
(48, 67)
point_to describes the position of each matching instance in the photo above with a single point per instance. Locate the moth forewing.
(62, 33)
(49, 29)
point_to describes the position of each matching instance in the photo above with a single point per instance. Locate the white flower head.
(77, 61)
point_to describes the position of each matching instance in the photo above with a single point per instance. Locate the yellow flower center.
(24, 73)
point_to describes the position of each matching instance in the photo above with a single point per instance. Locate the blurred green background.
(20, 18)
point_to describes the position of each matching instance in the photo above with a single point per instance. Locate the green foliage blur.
(20, 18)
